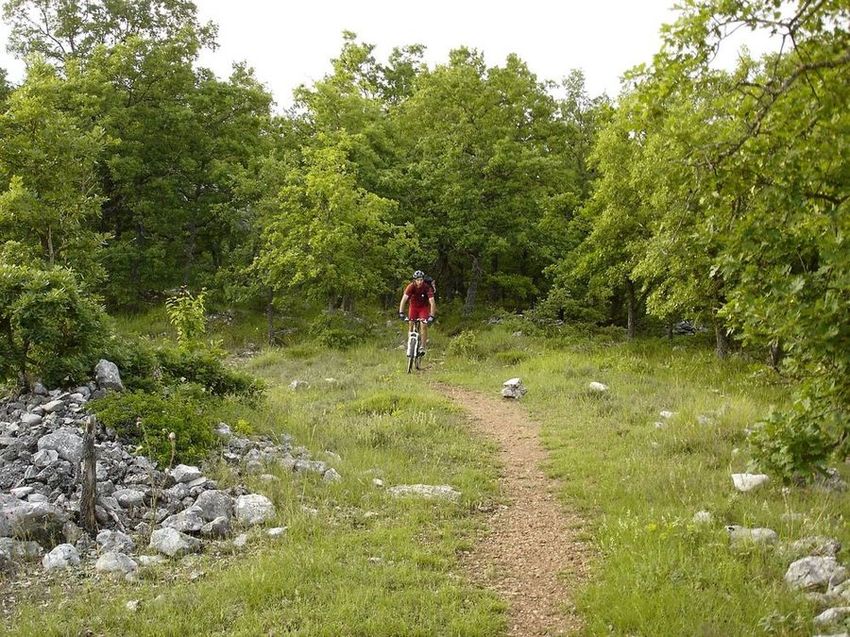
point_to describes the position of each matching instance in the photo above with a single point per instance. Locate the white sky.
(292, 42)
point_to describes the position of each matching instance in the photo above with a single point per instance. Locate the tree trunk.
(89, 495)
(472, 290)
(777, 354)
(722, 343)
(630, 307)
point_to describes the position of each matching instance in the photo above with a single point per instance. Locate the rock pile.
(41, 446)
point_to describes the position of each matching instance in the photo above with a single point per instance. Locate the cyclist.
(422, 305)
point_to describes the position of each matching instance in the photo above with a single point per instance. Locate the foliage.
(49, 328)
(187, 313)
(147, 419)
(465, 344)
(339, 330)
(205, 367)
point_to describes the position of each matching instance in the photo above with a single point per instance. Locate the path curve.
(531, 552)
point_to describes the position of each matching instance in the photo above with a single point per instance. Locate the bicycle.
(413, 352)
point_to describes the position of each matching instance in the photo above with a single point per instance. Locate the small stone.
(31, 420)
(254, 509)
(276, 531)
(331, 475)
(756, 536)
(173, 543)
(667, 415)
(298, 385)
(63, 556)
(377, 482)
(108, 376)
(115, 541)
(815, 573)
(21, 492)
(703, 517)
(597, 387)
(427, 491)
(217, 528)
(117, 563)
(748, 481)
(132, 605)
(185, 473)
(240, 540)
(53, 405)
(150, 560)
(129, 498)
(833, 616)
(513, 389)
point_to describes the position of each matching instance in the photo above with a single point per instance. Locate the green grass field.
(367, 564)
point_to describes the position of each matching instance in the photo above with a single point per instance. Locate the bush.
(206, 367)
(49, 328)
(160, 415)
(339, 330)
(465, 344)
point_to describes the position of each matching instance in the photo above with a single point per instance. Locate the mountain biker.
(420, 293)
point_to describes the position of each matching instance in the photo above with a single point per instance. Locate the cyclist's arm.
(433, 306)
(404, 298)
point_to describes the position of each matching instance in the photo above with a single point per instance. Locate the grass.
(638, 485)
(366, 564)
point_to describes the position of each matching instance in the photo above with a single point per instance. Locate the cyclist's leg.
(423, 334)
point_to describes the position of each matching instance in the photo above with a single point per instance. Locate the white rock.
(815, 572)
(666, 414)
(63, 556)
(597, 387)
(833, 616)
(513, 388)
(172, 542)
(52, 406)
(749, 481)
(756, 536)
(21, 492)
(427, 491)
(331, 475)
(185, 473)
(65, 442)
(132, 605)
(276, 531)
(115, 541)
(377, 482)
(114, 562)
(187, 521)
(108, 376)
(298, 385)
(254, 509)
(31, 420)
(213, 504)
(150, 560)
(240, 540)
(129, 498)
(815, 545)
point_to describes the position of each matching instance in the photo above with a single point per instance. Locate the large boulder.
(108, 376)
(66, 442)
(254, 509)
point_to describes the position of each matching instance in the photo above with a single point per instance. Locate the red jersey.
(419, 295)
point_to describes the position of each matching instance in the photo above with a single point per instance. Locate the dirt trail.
(531, 547)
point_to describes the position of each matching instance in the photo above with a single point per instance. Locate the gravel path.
(531, 553)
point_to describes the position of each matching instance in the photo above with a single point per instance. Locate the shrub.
(187, 314)
(159, 415)
(49, 328)
(465, 344)
(206, 367)
(339, 330)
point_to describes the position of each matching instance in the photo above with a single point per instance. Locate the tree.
(49, 187)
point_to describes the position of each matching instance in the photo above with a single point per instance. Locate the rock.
(39, 390)
(31, 420)
(108, 376)
(37, 521)
(115, 541)
(117, 563)
(217, 528)
(45, 457)
(331, 475)
(21, 492)
(150, 560)
(129, 498)
(53, 405)
(427, 491)
(276, 531)
(377, 482)
(65, 442)
(213, 504)
(513, 388)
(749, 481)
(831, 482)
(597, 387)
(814, 545)
(703, 517)
(254, 509)
(298, 385)
(756, 536)
(185, 473)
(188, 521)
(815, 573)
(63, 556)
(833, 616)
(223, 431)
(666, 415)
(173, 543)
(240, 540)
(20, 550)
(132, 605)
